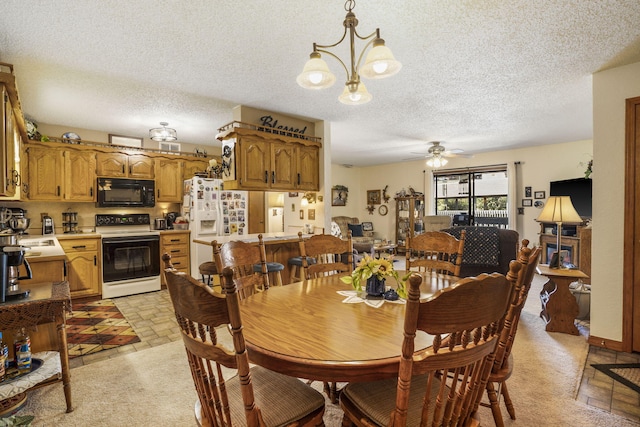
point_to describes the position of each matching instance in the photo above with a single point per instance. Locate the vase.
(375, 287)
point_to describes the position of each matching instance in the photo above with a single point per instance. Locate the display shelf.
(409, 214)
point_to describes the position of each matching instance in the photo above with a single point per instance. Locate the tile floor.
(151, 316)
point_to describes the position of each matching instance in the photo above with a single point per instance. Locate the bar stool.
(296, 268)
(207, 271)
(272, 267)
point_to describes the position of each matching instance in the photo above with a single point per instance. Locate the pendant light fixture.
(378, 64)
(163, 133)
(437, 161)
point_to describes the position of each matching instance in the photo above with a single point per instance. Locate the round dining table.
(305, 330)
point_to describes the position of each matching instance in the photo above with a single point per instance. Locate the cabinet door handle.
(298, 178)
(95, 260)
(123, 169)
(176, 263)
(273, 177)
(58, 190)
(79, 247)
(266, 177)
(158, 193)
(173, 251)
(174, 240)
(130, 169)
(91, 191)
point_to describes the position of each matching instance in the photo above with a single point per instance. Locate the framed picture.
(293, 194)
(374, 197)
(301, 213)
(127, 141)
(527, 191)
(527, 202)
(311, 214)
(339, 197)
(367, 226)
(539, 195)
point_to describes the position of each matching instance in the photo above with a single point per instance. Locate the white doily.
(354, 297)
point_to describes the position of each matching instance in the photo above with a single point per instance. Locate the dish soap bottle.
(22, 347)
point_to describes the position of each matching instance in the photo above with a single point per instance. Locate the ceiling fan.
(437, 154)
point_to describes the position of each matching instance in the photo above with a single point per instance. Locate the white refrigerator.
(212, 211)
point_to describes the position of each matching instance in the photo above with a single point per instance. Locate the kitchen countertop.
(268, 238)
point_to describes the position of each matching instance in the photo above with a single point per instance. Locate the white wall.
(538, 166)
(610, 89)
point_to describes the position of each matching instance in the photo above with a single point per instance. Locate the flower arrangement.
(381, 268)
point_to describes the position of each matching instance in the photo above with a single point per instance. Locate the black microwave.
(123, 192)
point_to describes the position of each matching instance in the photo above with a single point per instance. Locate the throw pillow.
(356, 230)
(335, 230)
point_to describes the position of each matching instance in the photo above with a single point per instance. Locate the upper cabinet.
(168, 180)
(12, 134)
(123, 165)
(259, 160)
(57, 173)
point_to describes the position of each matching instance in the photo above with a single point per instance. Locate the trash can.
(582, 293)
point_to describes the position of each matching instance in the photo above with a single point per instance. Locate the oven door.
(130, 258)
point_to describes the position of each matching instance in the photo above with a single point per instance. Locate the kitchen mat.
(625, 373)
(95, 326)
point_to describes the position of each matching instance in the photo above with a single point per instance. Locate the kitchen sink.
(37, 242)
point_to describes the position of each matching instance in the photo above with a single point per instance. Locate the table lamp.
(559, 209)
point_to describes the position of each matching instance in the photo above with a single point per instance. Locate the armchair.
(362, 240)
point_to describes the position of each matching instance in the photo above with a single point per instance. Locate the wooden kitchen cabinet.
(124, 165)
(176, 244)
(168, 175)
(43, 270)
(191, 166)
(79, 176)
(83, 265)
(45, 173)
(271, 161)
(57, 174)
(10, 143)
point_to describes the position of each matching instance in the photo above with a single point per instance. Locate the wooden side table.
(559, 306)
(47, 303)
(390, 249)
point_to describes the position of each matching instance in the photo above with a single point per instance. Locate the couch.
(486, 249)
(362, 240)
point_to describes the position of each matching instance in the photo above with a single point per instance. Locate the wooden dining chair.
(435, 251)
(521, 272)
(230, 393)
(332, 254)
(438, 385)
(241, 257)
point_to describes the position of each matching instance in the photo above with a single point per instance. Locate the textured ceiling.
(478, 75)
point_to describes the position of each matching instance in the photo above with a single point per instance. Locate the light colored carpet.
(153, 387)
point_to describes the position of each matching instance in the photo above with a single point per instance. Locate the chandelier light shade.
(437, 161)
(559, 209)
(163, 133)
(379, 63)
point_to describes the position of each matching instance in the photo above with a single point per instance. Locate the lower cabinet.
(83, 265)
(176, 244)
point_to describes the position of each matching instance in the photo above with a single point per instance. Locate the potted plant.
(373, 272)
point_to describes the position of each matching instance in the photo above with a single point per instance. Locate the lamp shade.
(380, 62)
(559, 209)
(437, 161)
(360, 96)
(163, 134)
(316, 74)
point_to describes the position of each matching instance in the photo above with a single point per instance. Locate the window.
(474, 196)
(169, 146)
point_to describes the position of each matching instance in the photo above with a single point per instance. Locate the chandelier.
(437, 161)
(163, 134)
(378, 64)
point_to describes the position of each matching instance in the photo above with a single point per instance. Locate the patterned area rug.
(97, 326)
(625, 373)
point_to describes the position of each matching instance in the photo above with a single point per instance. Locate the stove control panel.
(122, 220)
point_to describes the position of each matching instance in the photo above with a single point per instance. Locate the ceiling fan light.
(356, 97)
(436, 162)
(316, 74)
(380, 62)
(163, 134)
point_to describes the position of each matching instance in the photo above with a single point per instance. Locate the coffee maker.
(11, 258)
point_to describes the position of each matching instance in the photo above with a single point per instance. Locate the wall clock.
(382, 210)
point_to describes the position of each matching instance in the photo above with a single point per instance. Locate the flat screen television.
(579, 189)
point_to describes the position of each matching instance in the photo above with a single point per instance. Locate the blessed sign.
(270, 122)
